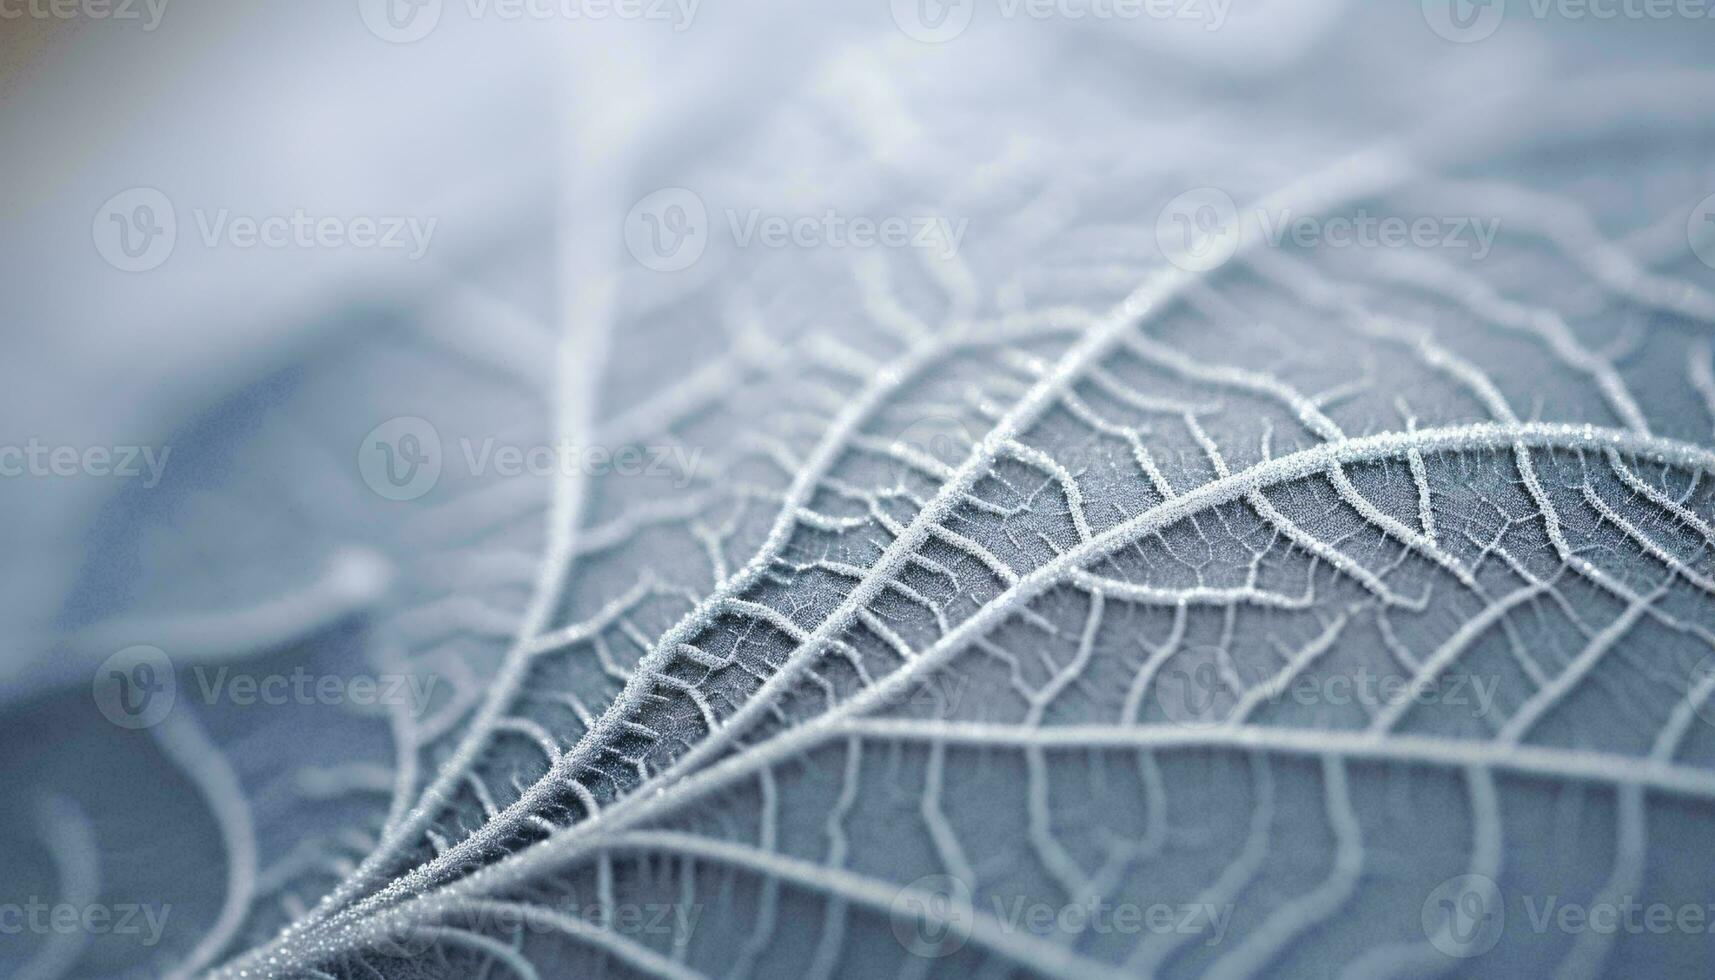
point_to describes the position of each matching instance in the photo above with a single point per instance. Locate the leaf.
(1273, 553)
(1050, 608)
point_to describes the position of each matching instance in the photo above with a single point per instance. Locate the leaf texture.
(1050, 608)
